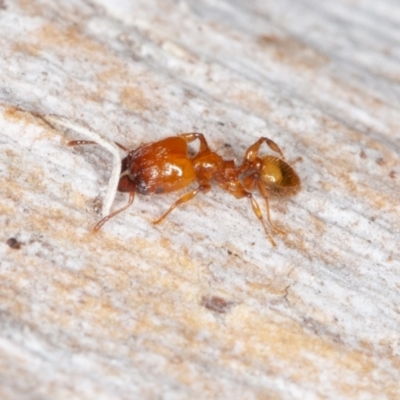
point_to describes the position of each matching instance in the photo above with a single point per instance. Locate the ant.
(165, 166)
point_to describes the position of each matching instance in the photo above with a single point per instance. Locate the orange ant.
(165, 166)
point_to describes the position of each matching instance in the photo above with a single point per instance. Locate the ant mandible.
(166, 166)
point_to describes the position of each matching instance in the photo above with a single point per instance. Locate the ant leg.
(264, 194)
(258, 214)
(252, 151)
(81, 142)
(108, 217)
(188, 196)
(192, 136)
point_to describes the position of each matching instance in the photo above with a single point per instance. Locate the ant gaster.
(166, 166)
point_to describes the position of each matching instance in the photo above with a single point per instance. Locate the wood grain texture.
(201, 306)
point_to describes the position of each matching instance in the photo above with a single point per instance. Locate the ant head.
(277, 176)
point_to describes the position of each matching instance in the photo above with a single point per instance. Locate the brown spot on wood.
(14, 244)
(216, 304)
(291, 51)
(133, 98)
(70, 41)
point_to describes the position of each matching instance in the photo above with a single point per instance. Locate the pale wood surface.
(201, 307)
